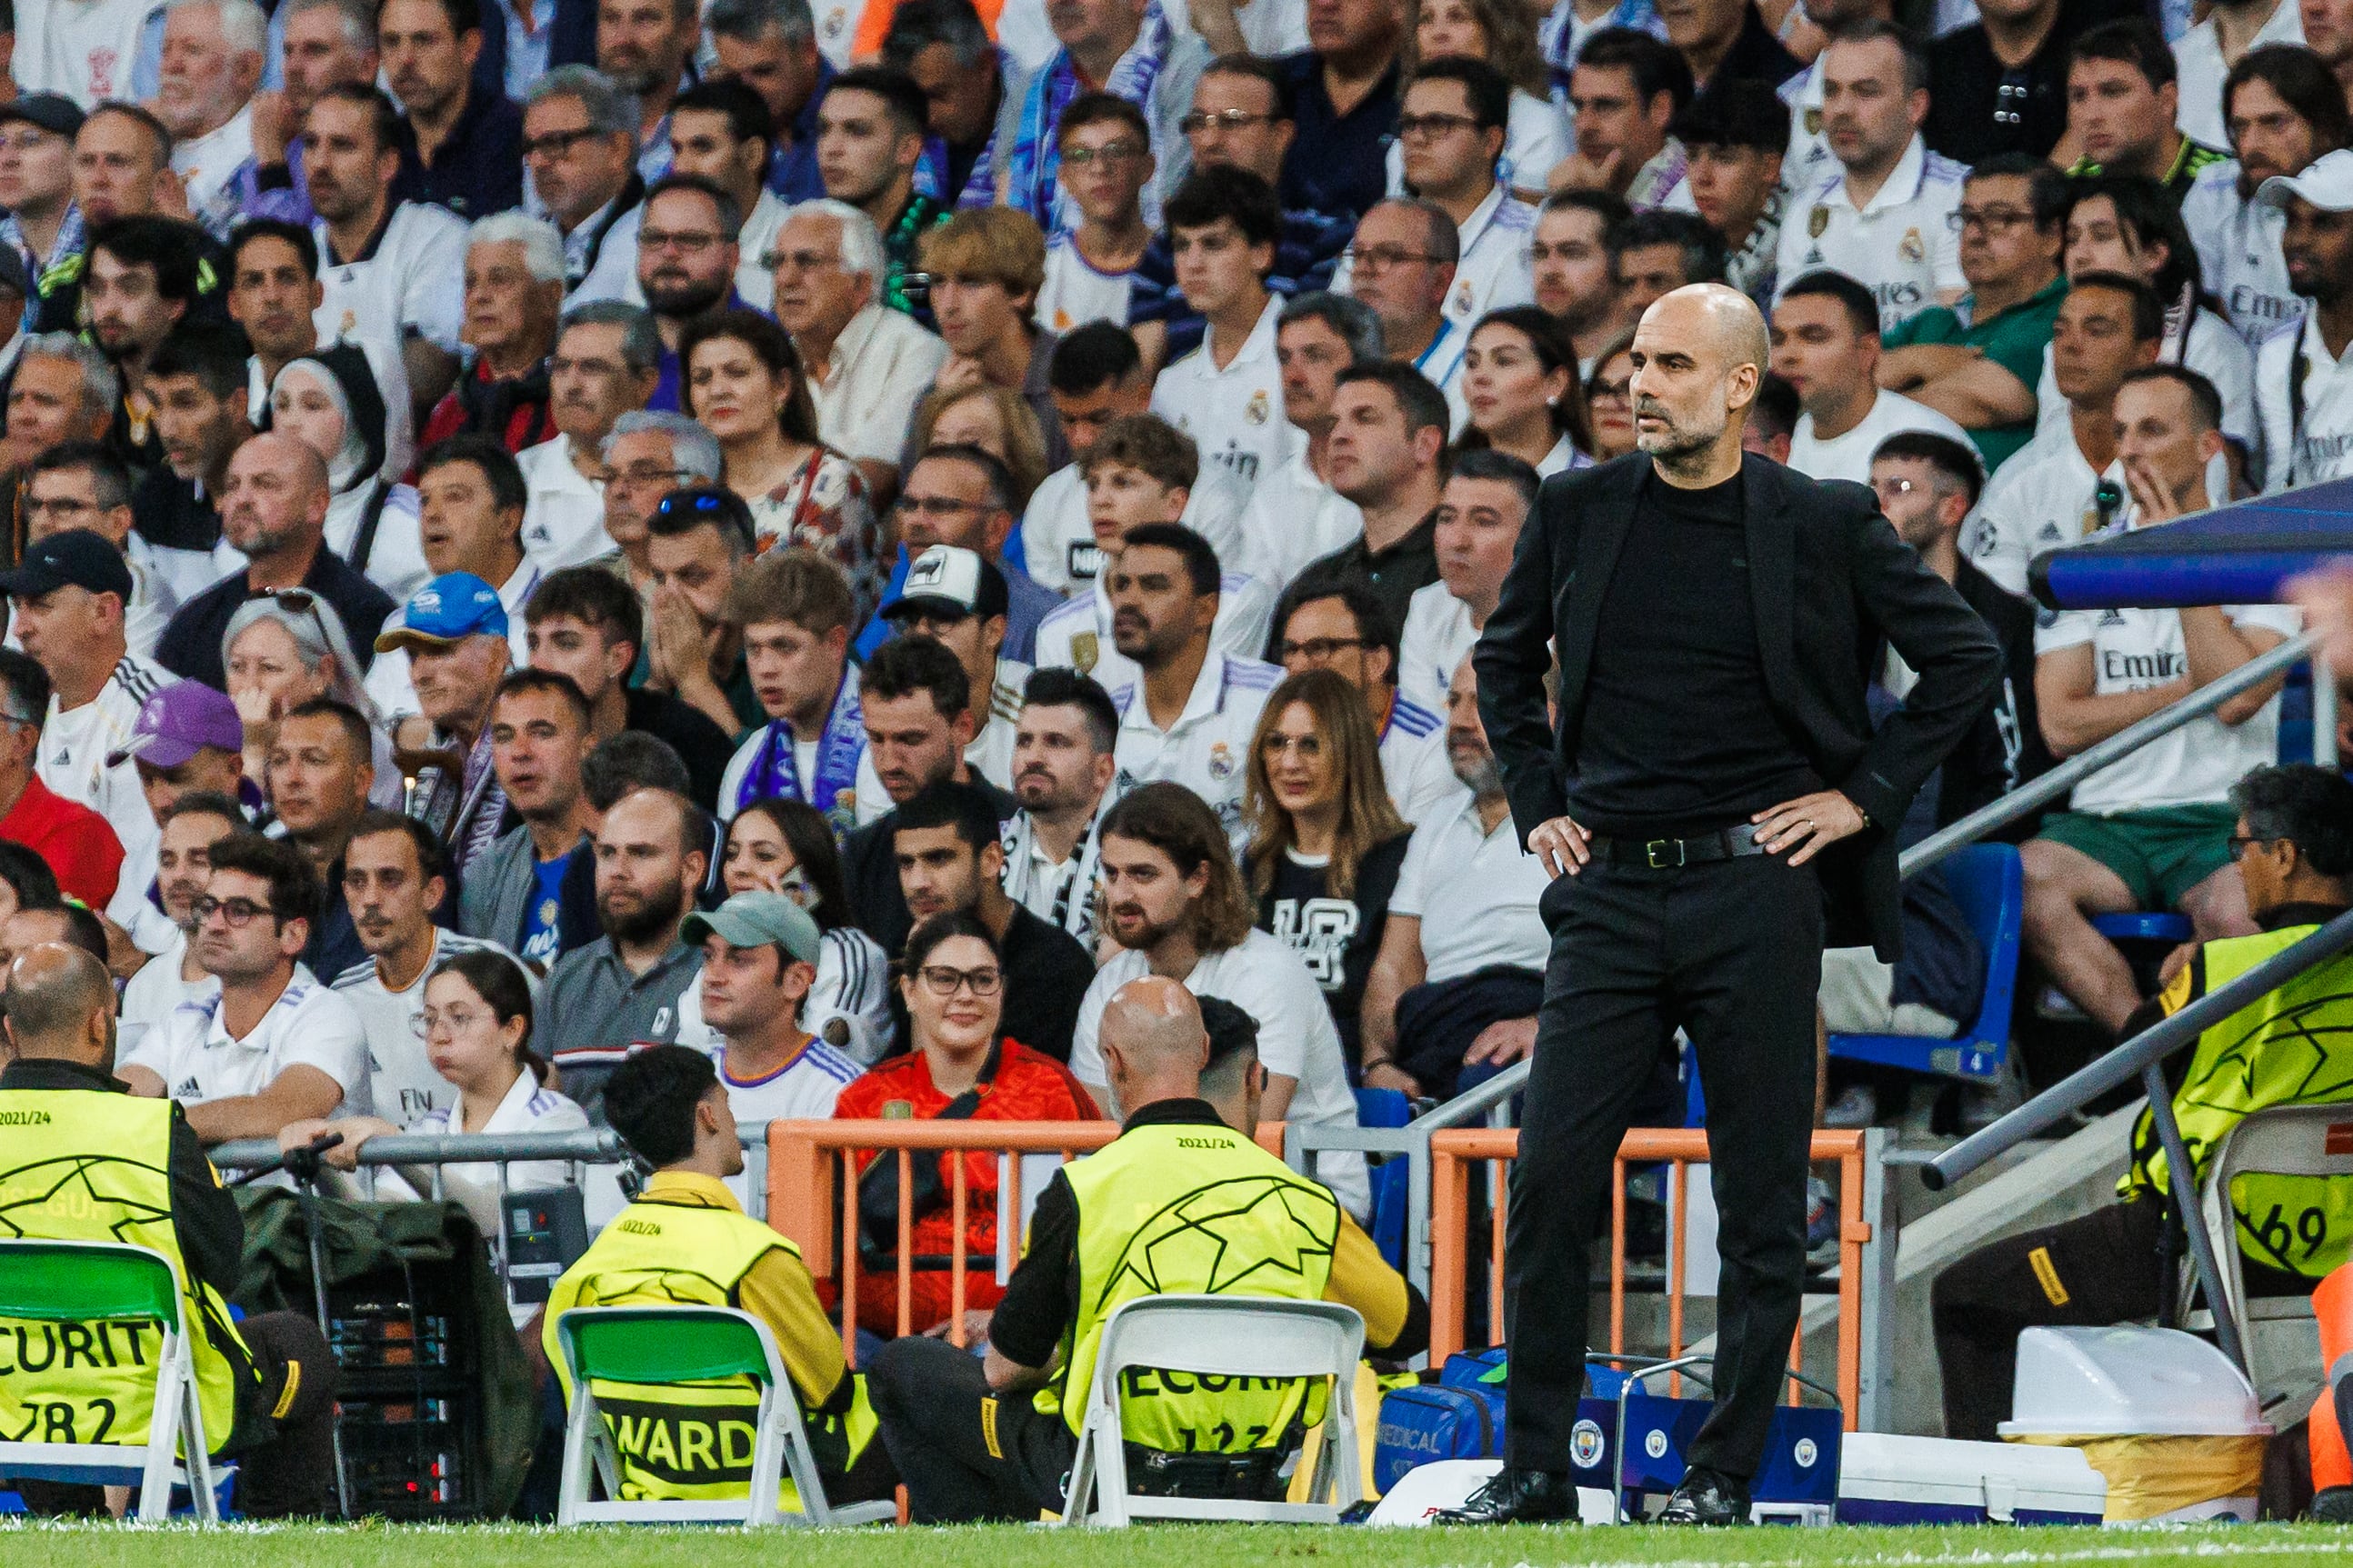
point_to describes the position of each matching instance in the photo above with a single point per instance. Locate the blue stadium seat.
(2161, 926)
(1985, 882)
(1391, 1190)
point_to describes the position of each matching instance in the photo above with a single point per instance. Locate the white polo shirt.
(990, 754)
(1206, 750)
(83, 49)
(1494, 270)
(755, 284)
(413, 281)
(803, 1090)
(149, 995)
(1474, 892)
(1265, 978)
(402, 1084)
(1807, 162)
(1234, 415)
(879, 369)
(1438, 633)
(1075, 293)
(308, 1025)
(1899, 244)
(1415, 767)
(2043, 499)
(1058, 542)
(74, 747)
(1848, 457)
(1076, 635)
(563, 520)
(2239, 252)
(2200, 72)
(2133, 650)
(1441, 362)
(2214, 349)
(1294, 518)
(2319, 446)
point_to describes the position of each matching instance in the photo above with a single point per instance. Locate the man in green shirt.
(1977, 360)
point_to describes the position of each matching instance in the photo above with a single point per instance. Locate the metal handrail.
(2038, 793)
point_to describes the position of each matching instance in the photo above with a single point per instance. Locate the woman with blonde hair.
(1323, 836)
(740, 379)
(998, 420)
(1500, 32)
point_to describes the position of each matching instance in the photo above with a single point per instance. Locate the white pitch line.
(2152, 1543)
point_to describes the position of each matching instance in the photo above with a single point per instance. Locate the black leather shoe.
(1517, 1496)
(1707, 1498)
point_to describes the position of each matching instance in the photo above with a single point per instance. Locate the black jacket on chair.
(1832, 584)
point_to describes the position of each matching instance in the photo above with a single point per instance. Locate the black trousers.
(966, 1454)
(1730, 952)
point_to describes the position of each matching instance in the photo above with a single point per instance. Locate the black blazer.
(1829, 580)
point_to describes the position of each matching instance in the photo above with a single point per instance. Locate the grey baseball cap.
(754, 920)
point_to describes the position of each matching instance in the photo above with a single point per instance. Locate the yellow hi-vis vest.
(690, 1440)
(90, 1165)
(1192, 1209)
(2291, 1046)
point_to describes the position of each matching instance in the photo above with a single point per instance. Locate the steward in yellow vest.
(1181, 1203)
(82, 1160)
(686, 1240)
(2293, 845)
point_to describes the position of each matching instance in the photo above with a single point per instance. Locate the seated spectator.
(25, 881)
(957, 598)
(580, 148)
(2290, 838)
(686, 264)
(1388, 433)
(319, 776)
(514, 285)
(986, 264)
(454, 631)
(868, 365)
(396, 882)
(1538, 136)
(1977, 362)
(2122, 225)
(329, 401)
(1451, 998)
(61, 391)
(1064, 772)
(274, 509)
(1405, 252)
(1227, 393)
(785, 846)
(759, 965)
(1624, 91)
(1574, 275)
(1294, 516)
(1106, 163)
(1656, 252)
(697, 541)
(1736, 135)
(719, 131)
(474, 1020)
(585, 625)
(211, 67)
(1174, 901)
(1826, 344)
(471, 495)
(282, 651)
(186, 831)
(187, 740)
(623, 989)
(299, 1054)
(1344, 630)
(534, 891)
(916, 705)
(1520, 384)
(1772, 422)
(669, 1108)
(462, 135)
(2124, 105)
(742, 383)
(67, 925)
(951, 983)
(1488, 496)
(878, 118)
(79, 484)
(974, 90)
(2290, 111)
(605, 361)
(68, 598)
(1608, 400)
(1728, 40)
(1000, 423)
(950, 857)
(792, 611)
(647, 455)
(1325, 842)
(2151, 831)
(77, 842)
(963, 497)
(201, 417)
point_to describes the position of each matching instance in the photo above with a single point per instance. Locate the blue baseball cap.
(445, 611)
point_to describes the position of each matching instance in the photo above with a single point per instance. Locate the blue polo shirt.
(480, 168)
(792, 170)
(1338, 164)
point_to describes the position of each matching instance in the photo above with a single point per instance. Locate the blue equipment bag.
(1430, 1422)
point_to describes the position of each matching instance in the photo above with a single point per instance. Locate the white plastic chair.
(673, 1344)
(1221, 1336)
(87, 1281)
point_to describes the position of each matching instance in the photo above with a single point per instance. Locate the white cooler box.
(1887, 1480)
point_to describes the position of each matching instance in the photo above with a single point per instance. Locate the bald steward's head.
(60, 1007)
(1153, 1042)
(1699, 354)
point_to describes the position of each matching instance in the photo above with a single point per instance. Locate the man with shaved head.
(971, 1443)
(267, 1383)
(1714, 808)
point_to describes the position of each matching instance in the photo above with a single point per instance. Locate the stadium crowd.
(840, 537)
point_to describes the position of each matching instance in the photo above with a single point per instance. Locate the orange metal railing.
(813, 1169)
(1453, 1153)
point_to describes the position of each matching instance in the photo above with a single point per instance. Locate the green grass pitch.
(1157, 1546)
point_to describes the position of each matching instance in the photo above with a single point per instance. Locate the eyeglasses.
(453, 1021)
(802, 260)
(943, 982)
(644, 477)
(1413, 127)
(1383, 259)
(1110, 153)
(556, 144)
(1993, 220)
(1315, 650)
(239, 913)
(1277, 743)
(940, 507)
(64, 508)
(2240, 843)
(659, 239)
(1222, 120)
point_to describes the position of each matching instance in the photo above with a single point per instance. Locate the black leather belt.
(1673, 854)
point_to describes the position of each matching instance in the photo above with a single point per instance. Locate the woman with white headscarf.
(328, 400)
(282, 649)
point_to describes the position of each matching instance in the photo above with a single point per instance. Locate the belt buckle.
(1651, 854)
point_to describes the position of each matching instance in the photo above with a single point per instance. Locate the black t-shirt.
(1338, 937)
(1047, 972)
(700, 744)
(1678, 736)
(1978, 107)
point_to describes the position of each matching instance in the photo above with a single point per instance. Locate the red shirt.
(79, 845)
(1030, 1086)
